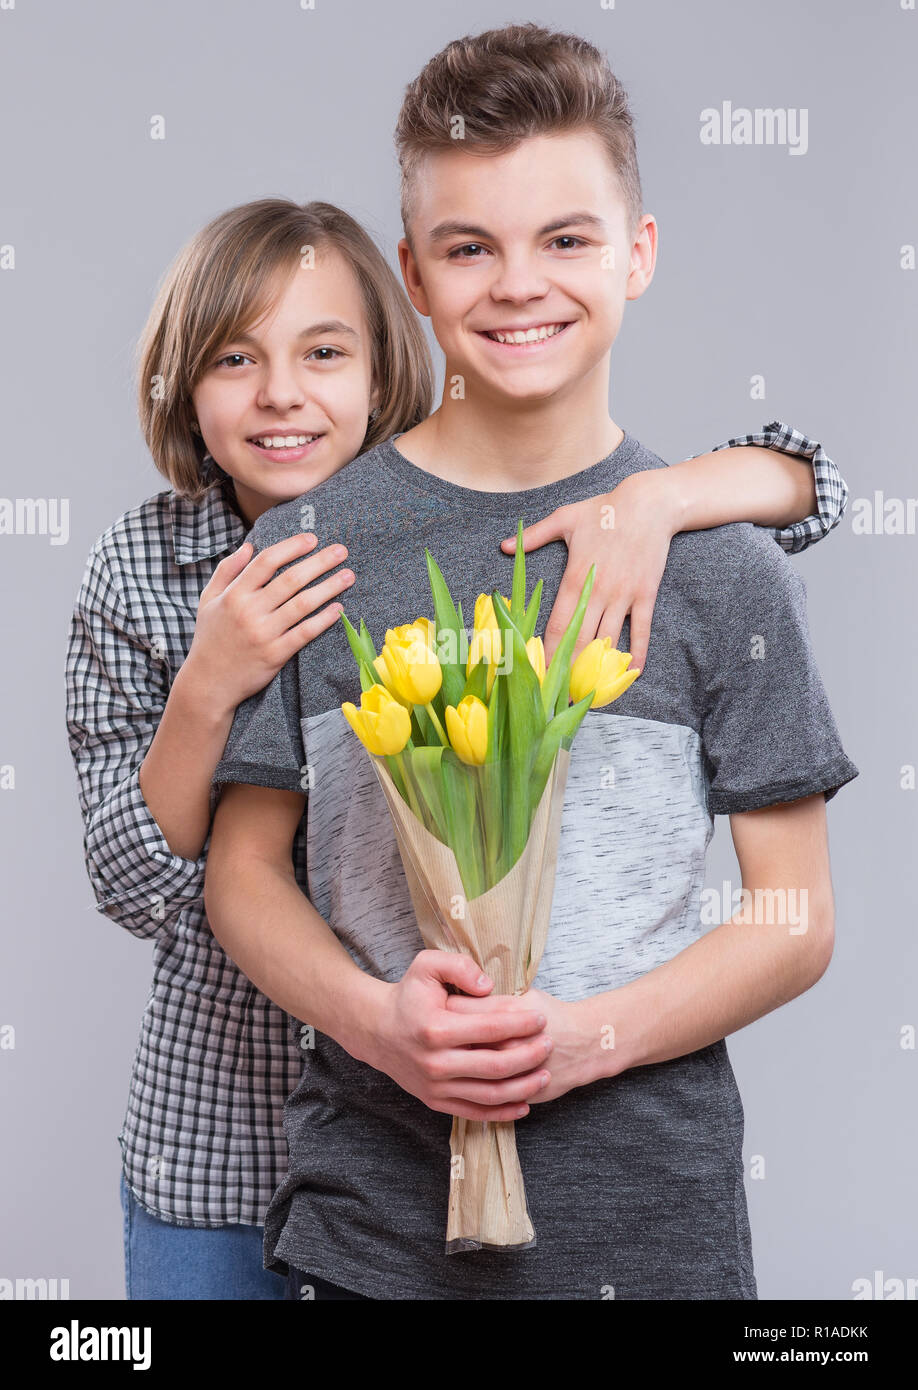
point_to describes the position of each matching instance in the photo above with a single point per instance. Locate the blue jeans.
(164, 1261)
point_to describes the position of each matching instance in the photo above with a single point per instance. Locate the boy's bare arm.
(268, 926)
(740, 970)
(734, 974)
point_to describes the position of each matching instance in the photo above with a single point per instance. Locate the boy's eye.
(470, 252)
(325, 354)
(572, 242)
(230, 356)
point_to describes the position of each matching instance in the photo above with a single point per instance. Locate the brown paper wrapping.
(504, 930)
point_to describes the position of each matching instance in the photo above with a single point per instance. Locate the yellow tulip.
(536, 652)
(600, 667)
(379, 667)
(467, 727)
(429, 629)
(408, 666)
(486, 638)
(382, 724)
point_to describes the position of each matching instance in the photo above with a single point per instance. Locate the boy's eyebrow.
(443, 230)
(315, 330)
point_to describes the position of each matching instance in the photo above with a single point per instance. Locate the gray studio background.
(774, 264)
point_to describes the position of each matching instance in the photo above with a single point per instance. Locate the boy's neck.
(492, 445)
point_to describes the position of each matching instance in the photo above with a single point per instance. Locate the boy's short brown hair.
(507, 85)
(223, 281)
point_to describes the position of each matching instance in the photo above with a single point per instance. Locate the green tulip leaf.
(518, 592)
(558, 675)
(531, 617)
(448, 622)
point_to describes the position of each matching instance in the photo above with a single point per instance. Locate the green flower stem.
(393, 763)
(492, 822)
(437, 725)
(409, 787)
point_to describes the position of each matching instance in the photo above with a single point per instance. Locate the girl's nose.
(281, 389)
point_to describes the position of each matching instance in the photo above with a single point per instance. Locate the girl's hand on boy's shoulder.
(571, 1061)
(254, 615)
(626, 533)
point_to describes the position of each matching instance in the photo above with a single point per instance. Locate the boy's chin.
(520, 388)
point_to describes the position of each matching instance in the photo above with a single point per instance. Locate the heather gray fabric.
(635, 1183)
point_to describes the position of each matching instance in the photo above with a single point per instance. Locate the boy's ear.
(412, 277)
(643, 257)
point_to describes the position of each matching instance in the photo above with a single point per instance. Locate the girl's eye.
(325, 354)
(470, 252)
(572, 242)
(231, 355)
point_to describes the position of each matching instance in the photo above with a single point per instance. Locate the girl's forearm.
(175, 776)
(764, 486)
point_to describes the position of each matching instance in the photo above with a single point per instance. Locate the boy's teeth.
(284, 441)
(528, 335)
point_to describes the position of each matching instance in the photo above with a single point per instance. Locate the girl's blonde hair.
(222, 283)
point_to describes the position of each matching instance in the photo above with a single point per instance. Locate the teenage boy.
(524, 238)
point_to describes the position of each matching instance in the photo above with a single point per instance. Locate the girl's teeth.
(288, 441)
(529, 335)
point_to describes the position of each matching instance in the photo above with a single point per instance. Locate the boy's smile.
(525, 338)
(522, 260)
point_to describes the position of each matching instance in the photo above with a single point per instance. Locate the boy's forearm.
(268, 926)
(734, 974)
(765, 486)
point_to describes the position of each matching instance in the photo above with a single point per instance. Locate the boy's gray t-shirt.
(634, 1182)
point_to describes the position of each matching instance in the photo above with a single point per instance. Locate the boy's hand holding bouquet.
(471, 744)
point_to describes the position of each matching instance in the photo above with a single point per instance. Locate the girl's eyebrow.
(314, 330)
(443, 230)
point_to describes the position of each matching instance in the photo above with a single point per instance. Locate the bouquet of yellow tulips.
(470, 740)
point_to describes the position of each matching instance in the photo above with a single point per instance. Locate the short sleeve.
(768, 732)
(265, 743)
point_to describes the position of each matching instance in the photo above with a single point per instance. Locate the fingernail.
(540, 1019)
(482, 981)
(544, 1081)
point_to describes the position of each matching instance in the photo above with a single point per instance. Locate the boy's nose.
(519, 279)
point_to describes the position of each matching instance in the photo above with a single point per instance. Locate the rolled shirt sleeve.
(831, 488)
(768, 731)
(116, 691)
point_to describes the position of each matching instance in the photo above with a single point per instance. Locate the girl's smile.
(295, 445)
